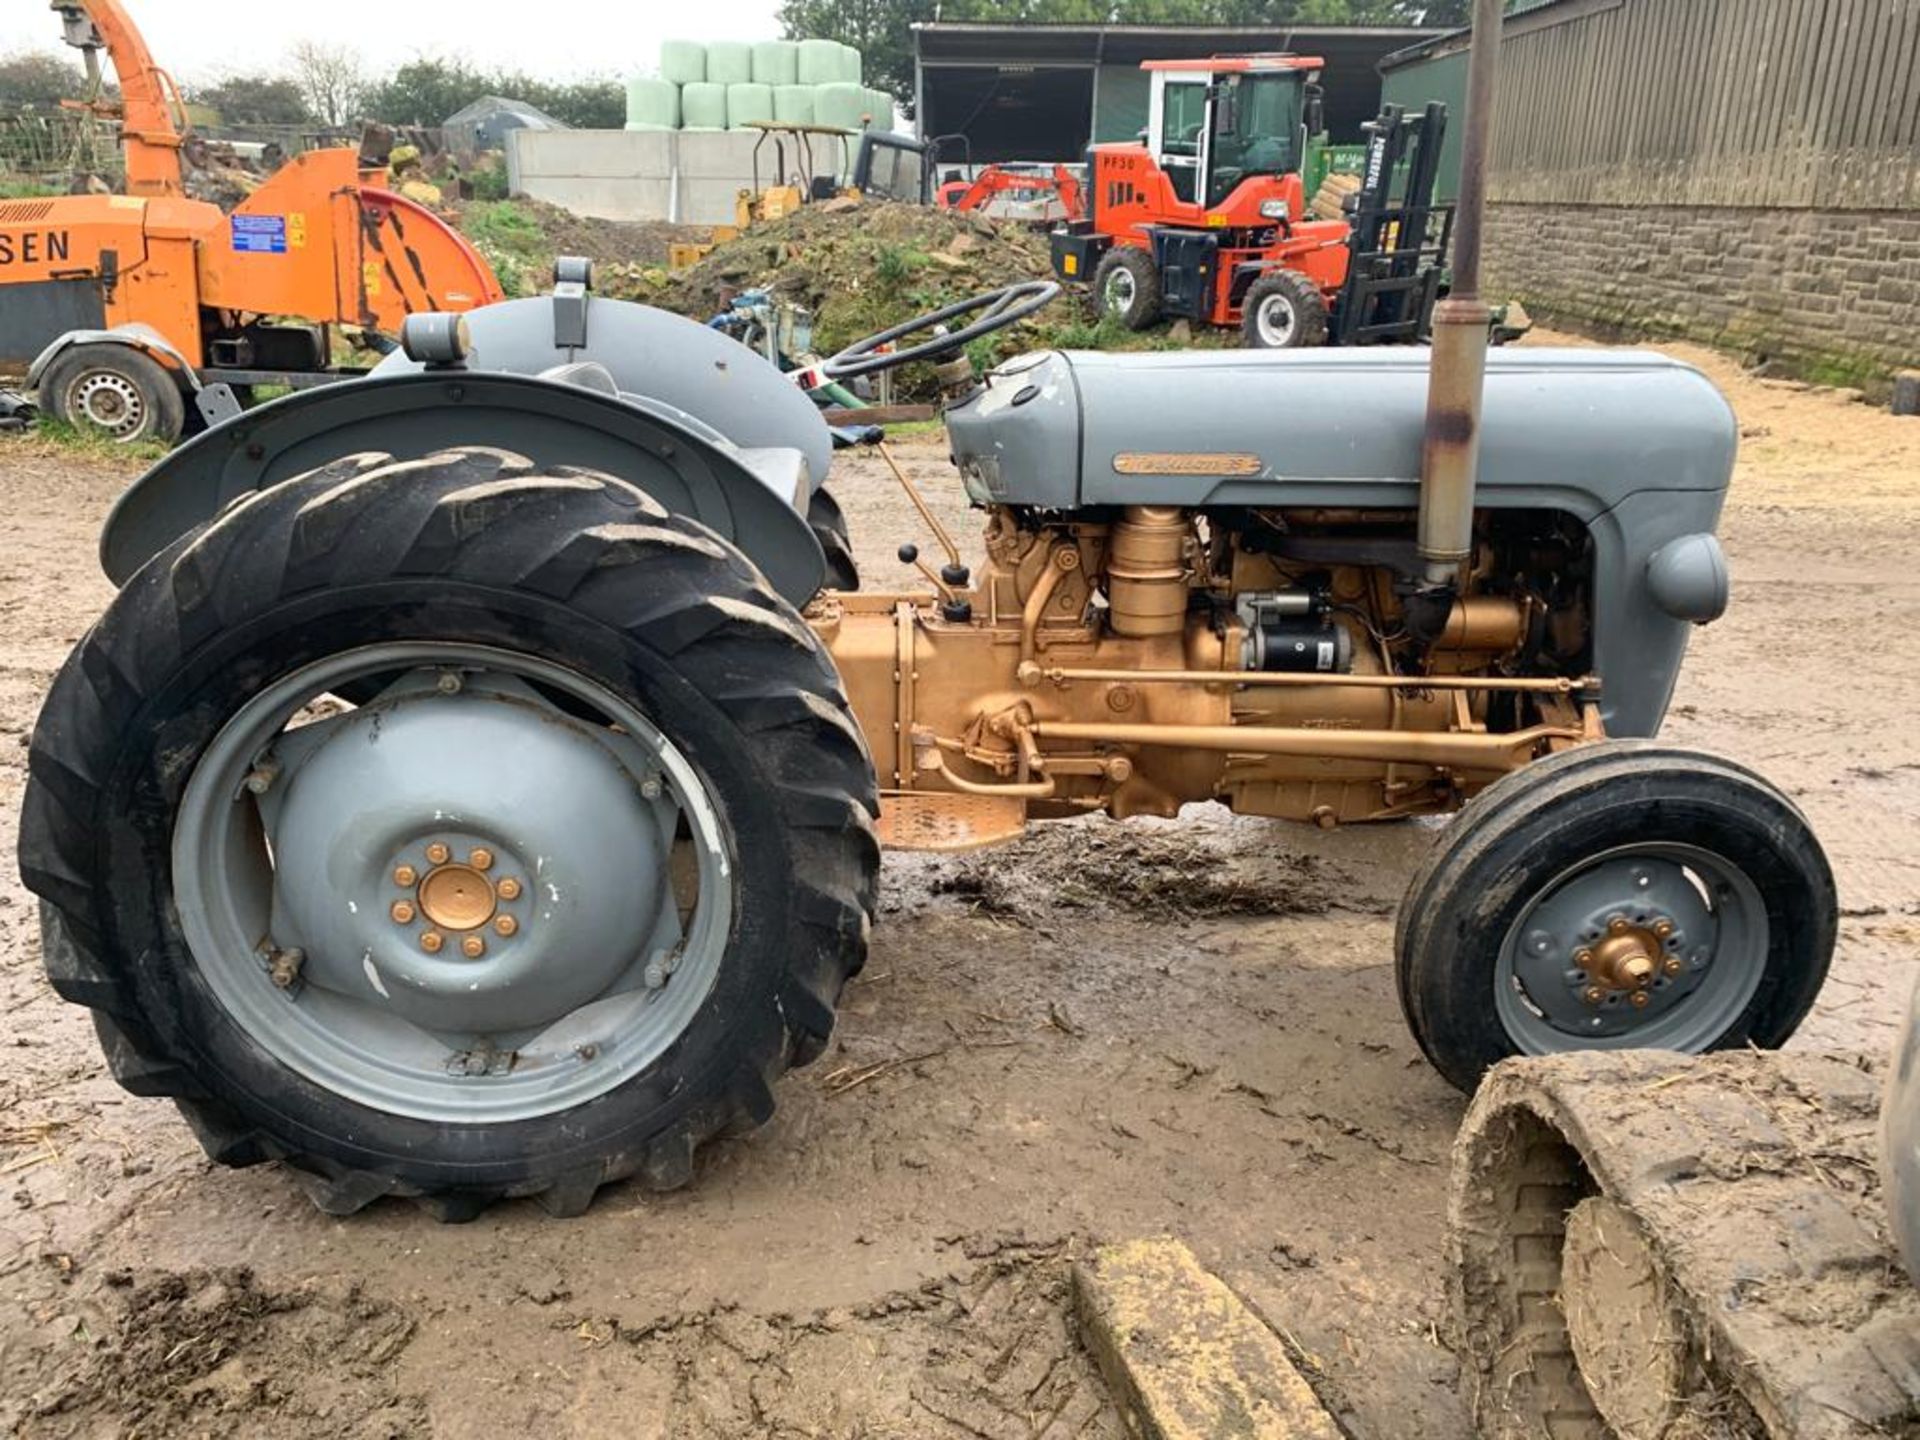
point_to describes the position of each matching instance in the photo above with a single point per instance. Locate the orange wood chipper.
(128, 307)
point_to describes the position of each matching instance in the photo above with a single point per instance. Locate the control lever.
(953, 606)
(954, 573)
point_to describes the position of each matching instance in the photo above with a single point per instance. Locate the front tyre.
(1619, 896)
(580, 876)
(1126, 287)
(115, 392)
(1283, 310)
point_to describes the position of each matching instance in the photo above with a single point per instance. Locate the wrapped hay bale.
(849, 63)
(793, 104)
(880, 106)
(729, 62)
(652, 104)
(747, 103)
(839, 104)
(817, 62)
(703, 106)
(684, 62)
(776, 63)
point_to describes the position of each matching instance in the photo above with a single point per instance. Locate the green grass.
(512, 243)
(25, 187)
(58, 435)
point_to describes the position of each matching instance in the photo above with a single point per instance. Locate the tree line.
(327, 87)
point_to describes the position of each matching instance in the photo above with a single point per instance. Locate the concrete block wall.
(689, 177)
(1832, 295)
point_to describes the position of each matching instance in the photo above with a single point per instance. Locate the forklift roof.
(1238, 64)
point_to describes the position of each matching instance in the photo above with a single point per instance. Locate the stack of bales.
(727, 85)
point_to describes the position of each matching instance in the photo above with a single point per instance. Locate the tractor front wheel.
(113, 391)
(1283, 310)
(581, 873)
(1126, 287)
(1624, 895)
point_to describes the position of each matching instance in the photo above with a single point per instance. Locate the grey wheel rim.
(1120, 291)
(108, 402)
(1276, 321)
(568, 857)
(1660, 946)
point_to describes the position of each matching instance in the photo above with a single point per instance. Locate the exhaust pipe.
(1450, 454)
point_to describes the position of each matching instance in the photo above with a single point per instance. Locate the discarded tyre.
(556, 904)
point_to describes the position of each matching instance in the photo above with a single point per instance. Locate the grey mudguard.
(662, 356)
(1638, 447)
(746, 496)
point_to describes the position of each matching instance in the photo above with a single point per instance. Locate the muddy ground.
(1101, 1032)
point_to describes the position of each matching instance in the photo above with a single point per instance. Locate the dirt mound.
(214, 1352)
(1184, 868)
(861, 267)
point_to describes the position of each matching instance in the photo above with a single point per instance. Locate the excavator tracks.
(1664, 1247)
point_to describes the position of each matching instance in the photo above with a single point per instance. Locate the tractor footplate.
(938, 820)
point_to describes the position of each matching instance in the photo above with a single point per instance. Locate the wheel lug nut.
(1583, 957)
(402, 913)
(431, 942)
(405, 875)
(1594, 995)
(1663, 928)
(438, 853)
(1617, 925)
(480, 858)
(1640, 999)
(505, 924)
(509, 888)
(473, 947)
(1672, 965)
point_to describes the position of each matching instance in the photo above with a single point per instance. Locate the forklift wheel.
(1126, 287)
(115, 391)
(1284, 310)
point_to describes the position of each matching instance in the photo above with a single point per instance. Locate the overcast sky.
(198, 40)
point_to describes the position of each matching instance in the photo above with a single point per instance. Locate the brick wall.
(1834, 295)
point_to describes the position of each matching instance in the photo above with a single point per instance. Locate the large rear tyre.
(829, 524)
(556, 905)
(1126, 287)
(113, 391)
(1620, 896)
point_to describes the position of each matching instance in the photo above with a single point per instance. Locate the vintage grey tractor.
(474, 791)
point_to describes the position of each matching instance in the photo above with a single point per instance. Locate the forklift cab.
(1213, 123)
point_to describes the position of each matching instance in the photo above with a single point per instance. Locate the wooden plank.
(1185, 1357)
(880, 414)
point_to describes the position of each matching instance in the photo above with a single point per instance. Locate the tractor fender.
(134, 336)
(754, 498)
(653, 353)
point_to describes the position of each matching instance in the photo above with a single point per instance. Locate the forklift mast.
(1398, 249)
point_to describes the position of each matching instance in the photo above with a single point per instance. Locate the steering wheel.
(998, 309)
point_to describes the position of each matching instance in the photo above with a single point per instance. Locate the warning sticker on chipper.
(260, 234)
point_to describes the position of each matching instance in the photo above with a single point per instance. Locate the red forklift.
(1205, 217)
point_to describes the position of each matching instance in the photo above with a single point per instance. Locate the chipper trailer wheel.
(1617, 896)
(1662, 1247)
(1283, 310)
(113, 391)
(1126, 287)
(555, 905)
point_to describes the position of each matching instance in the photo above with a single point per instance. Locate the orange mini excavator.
(128, 307)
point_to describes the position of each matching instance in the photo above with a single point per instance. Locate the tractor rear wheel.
(113, 391)
(829, 524)
(1625, 895)
(1283, 310)
(553, 906)
(1126, 287)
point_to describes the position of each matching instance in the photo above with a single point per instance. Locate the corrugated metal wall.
(1775, 103)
